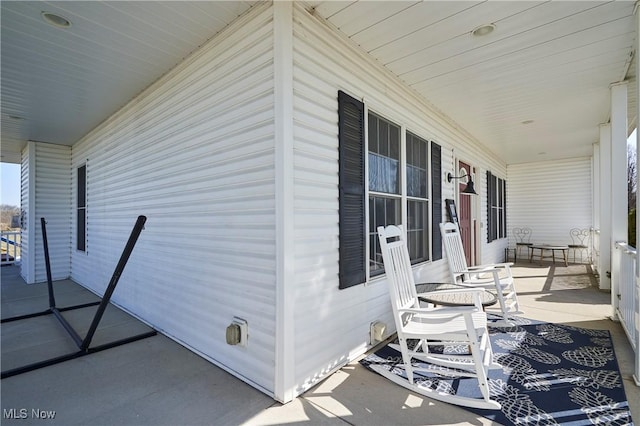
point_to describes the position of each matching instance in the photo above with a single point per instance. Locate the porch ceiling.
(549, 62)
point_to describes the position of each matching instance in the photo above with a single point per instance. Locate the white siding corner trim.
(285, 257)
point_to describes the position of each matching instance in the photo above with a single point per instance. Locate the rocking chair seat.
(444, 323)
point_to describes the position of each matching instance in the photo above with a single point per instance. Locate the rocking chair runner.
(434, 327)
(496, 277)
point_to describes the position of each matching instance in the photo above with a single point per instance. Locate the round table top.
(549, 247)
(425, 293)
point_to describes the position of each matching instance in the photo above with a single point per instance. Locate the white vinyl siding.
(26, 236)
(549, 197)
(46, 193)
(53, 202)
(332, 325)
(195, 154)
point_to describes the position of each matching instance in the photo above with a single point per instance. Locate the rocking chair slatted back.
(494, 277)
(398, 269)
(455, 250)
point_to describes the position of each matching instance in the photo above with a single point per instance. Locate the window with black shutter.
(81, 209)
(496, 207)
(403, 186)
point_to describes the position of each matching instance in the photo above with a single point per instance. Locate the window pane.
(383, 135)
(372, 225)
(417, 230)
(373, 134)
(416, 182)
(384, 155)
(394, 141)
(494, 192)
(386, 211)
(416, 166)
(82, 186)
(80, 231)
(383, 174)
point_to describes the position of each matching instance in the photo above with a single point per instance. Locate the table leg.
(553, 256)
(566, 261)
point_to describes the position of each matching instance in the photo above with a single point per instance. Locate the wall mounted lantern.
(469, 188)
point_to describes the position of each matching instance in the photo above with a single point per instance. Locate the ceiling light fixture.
(527, 122)
(55, 20)
(483, 30)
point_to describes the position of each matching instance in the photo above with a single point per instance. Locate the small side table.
(552, 249)
(428, 292)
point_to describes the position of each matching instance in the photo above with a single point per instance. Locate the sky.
(10, 180)
(10, 184)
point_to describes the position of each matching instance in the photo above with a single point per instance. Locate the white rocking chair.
(495, 277)
(430, 326)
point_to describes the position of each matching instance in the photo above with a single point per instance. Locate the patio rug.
(551, 374)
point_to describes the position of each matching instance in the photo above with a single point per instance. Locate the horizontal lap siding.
(53, 202)
(332, 325)
(25, 228)
(550, 198)
(195, 154)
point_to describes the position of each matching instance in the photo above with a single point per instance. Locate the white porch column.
(28, 195)
(619, 208)
(636, 370)
(605, 206)
(637, 49)
(596, 202)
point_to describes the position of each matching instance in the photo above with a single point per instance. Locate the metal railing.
(628, 294)
(9, 247)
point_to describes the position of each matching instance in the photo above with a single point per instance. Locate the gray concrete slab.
(155, 381)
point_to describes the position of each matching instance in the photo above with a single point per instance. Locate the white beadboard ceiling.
(547, 62)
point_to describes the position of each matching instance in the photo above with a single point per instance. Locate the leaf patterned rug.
(551, 374)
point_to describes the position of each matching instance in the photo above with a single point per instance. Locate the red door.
(464, 214)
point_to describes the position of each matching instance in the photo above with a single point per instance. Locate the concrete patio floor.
(155, 381)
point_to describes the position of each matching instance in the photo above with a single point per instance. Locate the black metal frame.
(83, 344)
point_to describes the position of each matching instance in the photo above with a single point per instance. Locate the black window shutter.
(436, 200)
(352, 191)
(490, 191)
(504, 208)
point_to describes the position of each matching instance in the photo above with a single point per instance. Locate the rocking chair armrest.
(448, 312)
(504, 265)
(489, 267)
(469, 289)
(479, 269)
